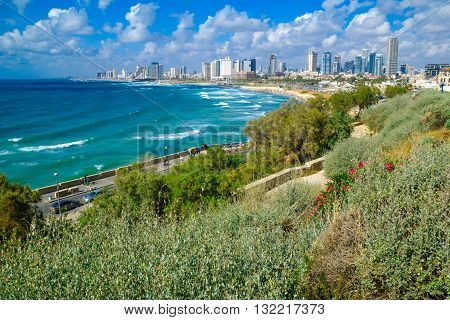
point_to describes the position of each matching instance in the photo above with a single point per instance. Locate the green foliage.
(304, 130)
(365, 96)
(231, 253)
(17, 209)
(393, 91)
(395, 121)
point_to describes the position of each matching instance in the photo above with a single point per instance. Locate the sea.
(79, 127)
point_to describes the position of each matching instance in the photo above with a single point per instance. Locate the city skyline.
(123, 34)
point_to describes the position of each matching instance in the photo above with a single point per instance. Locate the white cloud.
(21, 5)
(140, 17)
(112, 29)
(62, 24)
(331, 4)
(103, 4)
(330, 41)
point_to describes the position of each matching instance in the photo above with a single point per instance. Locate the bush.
(17, 209)
(388, 235)
(393, 91)
(347, 153)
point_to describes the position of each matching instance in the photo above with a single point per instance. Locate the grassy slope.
(386, 238)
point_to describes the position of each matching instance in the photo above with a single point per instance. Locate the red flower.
(351, 171)
(360, 164)
(389, 166)
(330, 187)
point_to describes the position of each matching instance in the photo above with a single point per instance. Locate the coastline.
(299, 94)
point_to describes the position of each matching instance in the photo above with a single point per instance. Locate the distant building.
(226, 68)
(378, 69)
(336, 68)
(273, 65)
(173, 73)
(246, 75)
(359, 66)
(312, 61)
(155, 71)
(326, 63)
(349, 67)
(371, 64)
(392, 57)
(206, 70)
(248, 65)
(444, 76)
(403, 69)
(432, 70)
(282, 67)
(183, 71)
(365, 61)
(101, 75)
(215, 69)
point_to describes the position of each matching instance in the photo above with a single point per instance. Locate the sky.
(54, 38)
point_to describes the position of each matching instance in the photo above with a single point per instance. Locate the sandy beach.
(300, 94)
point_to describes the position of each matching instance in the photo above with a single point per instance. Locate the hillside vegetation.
(379, 230)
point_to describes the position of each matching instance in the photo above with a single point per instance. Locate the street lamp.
(57, 192)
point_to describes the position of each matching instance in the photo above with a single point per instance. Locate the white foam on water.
(5, 152)
(99, 166)
(222, 104)
(242, 101)
(175, 136)
(15, 139)
(54, 147)
(26, 164)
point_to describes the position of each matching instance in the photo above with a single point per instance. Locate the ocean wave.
(26, 164)
(204, 95)
(242, 101)
(15, 139)
(54, 147)
(256, 106)
(175, 136)
(99, 166)
(222, 104)
(5, 152)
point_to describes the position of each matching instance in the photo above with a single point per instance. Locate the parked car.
(87, 198)
(66, 205)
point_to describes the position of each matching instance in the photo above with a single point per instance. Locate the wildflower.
(352, 170)
(330, 187)
(389, 166)
(361, 164)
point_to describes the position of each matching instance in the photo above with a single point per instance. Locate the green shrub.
(17, 209)
(393, 91)
(345, 154)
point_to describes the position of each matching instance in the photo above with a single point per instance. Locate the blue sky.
(50, 38)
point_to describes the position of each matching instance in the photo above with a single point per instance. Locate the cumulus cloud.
(113, 29)
(140, 18)
(21, 5)
(61, 23)
(103, 4)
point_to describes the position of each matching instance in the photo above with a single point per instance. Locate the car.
(66, 205)
(89, 197)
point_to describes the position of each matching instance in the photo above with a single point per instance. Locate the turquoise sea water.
(83, 127)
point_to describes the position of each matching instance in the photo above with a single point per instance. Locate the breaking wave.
(54, 147)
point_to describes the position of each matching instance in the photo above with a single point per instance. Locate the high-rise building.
(227, 68)
(282, 67)
(371, 64)
(336, 69)
(248, 65)
(156, 71)
(403, 69)
(392, 57)
(206, 70)
(378, 68)
(215, 69)
(326, 63)
(349, 67)
(359, 67)
(365, 57)
(173, 73)
(312, 61)
(273, 65)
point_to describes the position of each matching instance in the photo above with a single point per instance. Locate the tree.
(365, 96)
(342, 101)
(17, 208)
(392, 91)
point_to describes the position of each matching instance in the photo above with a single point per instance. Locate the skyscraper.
(156, 71)
(215, 69)
(273, 65)
(371, 65)
(378, 69)
(365, 57)
(392, 56)
(336, 64)
(326, 63)
(227, 68)
(282, 67)
(359, 67)
(247, 65)
(206, 70)
(312, 61)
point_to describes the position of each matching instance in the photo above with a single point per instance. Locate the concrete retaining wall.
(279, 178)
